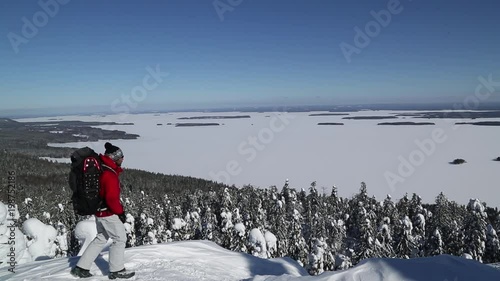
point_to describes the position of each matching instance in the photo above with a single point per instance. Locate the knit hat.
(113, 152)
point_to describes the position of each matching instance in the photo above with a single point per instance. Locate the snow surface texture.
(303, 152)
(203, 260)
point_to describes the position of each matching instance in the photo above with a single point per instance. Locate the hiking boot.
(80, 272)
(123, 274)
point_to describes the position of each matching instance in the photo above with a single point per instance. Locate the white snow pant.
(107, 227)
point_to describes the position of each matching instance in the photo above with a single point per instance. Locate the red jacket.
(110, 188)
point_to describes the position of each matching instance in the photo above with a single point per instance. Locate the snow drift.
(203, 260)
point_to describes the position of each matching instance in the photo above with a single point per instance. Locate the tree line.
(323, 232)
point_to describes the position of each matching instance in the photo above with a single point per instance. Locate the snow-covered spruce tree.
(389, 210)
(239, 239)
(145, 232)
(176, 223)
(388, 215)
(335, 228)
(298, 246)
(337, 236)
(419, 216)
(260, 217)
(492, 251)
(130, 230)
(278, 223)
(246, 198)
(448, 218)
(226, 228)
(257, 245)
(475, 230)
(193, 224)
(366, 246)
(419, 236)
(317, 257)
(456, 237)
(225, 200)
(403, 206)
(151, 238)
(208, 225)
(361, 226)
(405, 244)
(434, 245)
(415, 207)
(178, 229)
(315, 216)
(61, 241)
(384, 238)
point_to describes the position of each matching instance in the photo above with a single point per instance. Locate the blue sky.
(259, 52)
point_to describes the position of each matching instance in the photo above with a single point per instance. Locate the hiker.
(110, 218)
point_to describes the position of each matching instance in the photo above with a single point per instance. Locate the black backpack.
(86, 169)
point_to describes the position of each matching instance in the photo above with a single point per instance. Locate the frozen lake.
(268, 148)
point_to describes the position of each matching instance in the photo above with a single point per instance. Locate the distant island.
(370, 117)
(458, 161)
(453, 114)
(328, 114)
(196, 124)
(331, 124)
(214, 117)
(406, 123)
(497, 159)
(484, 123)
(31, 138)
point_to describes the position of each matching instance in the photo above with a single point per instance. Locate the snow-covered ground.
(268, 148)
(203, 260)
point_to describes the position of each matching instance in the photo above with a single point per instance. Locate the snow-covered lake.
(268, 148)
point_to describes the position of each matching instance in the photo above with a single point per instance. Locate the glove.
(122, 217)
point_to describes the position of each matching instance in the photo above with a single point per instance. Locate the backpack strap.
(108, 168)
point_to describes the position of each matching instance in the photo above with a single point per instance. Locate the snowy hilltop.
(203, 260)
